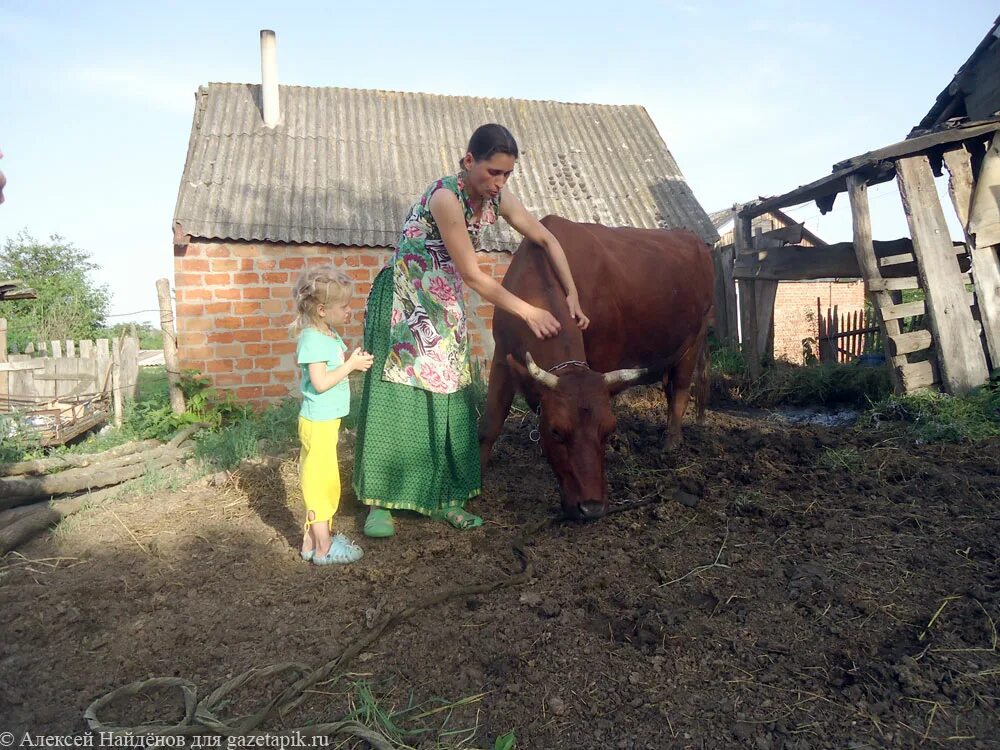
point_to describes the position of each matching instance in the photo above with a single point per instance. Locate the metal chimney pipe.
(269, 77)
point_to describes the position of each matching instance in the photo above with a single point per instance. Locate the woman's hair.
(318, 286)
(489, 140)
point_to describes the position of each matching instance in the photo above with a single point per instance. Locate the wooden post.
(170, 346)
(748, 299)
(985, 264)
(960, 355)
(117, 404)
(4, 377)
(864, 249)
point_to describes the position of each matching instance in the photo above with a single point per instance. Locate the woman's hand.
(541, 322)
(574, 310)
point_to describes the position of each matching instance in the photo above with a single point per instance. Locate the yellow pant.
(318, 469)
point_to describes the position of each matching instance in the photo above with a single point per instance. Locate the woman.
(417, 447)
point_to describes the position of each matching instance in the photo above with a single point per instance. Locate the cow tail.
(702, 381)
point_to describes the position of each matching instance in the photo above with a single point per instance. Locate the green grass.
(936, 417)
(786, 384)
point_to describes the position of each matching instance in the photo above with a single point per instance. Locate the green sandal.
(379, 523)
(458, 517)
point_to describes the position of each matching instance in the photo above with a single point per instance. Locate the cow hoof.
(671, 446)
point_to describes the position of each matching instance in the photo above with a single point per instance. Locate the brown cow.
(648, 293)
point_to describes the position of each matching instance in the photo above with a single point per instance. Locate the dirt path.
(829, 589)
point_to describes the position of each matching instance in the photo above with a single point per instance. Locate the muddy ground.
(786, 587)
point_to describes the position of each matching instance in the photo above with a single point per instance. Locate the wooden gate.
(843, 337)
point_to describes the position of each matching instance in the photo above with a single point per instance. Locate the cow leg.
(677, 387)
(499, 397)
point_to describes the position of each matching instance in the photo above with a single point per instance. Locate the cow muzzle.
(587, 510)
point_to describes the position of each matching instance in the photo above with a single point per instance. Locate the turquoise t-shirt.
(334, 403)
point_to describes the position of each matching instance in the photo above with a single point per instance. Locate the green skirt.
(415, 450)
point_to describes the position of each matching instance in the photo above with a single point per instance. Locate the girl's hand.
(574, 309)
(541, 322)
(360, 361)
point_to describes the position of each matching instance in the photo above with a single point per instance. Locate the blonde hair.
(318, 286)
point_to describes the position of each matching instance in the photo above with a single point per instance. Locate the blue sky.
(752, 99)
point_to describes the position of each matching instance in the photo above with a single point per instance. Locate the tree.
(70, 303)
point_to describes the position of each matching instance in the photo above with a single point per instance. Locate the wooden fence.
(843, 337)
(60, 389)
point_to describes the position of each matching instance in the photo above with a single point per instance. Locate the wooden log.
(857, 193)
(985, 260)
(18, 491)
(170, 357)
(960, 355)
(75, 460)
(35, 519)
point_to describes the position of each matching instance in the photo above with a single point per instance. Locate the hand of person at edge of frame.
(578, 315)
(360, 360)
(542, 323)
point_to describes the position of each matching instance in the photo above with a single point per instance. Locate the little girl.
(322, 297)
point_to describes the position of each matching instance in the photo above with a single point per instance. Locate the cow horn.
(545, 378)
(624, 377)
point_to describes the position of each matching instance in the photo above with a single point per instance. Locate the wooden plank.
(907, 343)
(4, 377)
(766, 291)
(86, 349)
(873, 162)
(839, 260)
(70, 348)
(117, 402)
(984, 206)
(887, 285)
(29, 348)
(55, 349)
(748, 299)
(103, 349)
(919, 375)
(31, 364)
(985, 261)
(791, 235)
(857, 193)
(723, 280)
(960, 355)
(129, 366)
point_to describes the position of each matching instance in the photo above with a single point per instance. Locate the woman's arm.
(528, 226)
(450, 220)
(323, 380)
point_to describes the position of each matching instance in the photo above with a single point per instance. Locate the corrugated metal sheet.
(344, 165)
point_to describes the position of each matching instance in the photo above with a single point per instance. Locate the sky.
(752, 99)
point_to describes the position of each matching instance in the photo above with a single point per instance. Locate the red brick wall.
(234, 306)
(795, 311)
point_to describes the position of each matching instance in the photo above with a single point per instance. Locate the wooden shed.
(958, 341)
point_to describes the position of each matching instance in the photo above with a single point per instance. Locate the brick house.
(331, 181)
(797, 302)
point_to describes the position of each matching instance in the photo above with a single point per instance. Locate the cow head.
(575, 422)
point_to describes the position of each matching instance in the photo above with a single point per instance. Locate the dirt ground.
(789, 587)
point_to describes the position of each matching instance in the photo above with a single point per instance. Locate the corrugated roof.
(344, 165)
